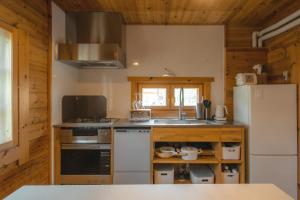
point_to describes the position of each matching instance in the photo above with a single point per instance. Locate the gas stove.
(92, 120)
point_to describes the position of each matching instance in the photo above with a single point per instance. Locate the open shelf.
(200, 160)
(209, 140)
(208, 152)
(231, 161)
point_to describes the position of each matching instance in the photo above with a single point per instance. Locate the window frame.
(172, 94)
(15, 91)
(137, 83)
(145, 85)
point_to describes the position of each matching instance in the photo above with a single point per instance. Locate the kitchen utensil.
(207, 105)
(166, 149)
(199, 111)
(165, 152)
(189, 153)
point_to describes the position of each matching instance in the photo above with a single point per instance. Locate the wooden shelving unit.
(216, 136)
(231, 161)
(201, 160)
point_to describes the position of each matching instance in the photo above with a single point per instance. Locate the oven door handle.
(85, 146)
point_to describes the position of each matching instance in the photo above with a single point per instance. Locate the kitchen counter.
(151, 192)
(162, 123)
(151, 123)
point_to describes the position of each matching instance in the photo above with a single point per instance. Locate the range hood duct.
(93, 40)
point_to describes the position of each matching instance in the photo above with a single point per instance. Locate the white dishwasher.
(132, 156)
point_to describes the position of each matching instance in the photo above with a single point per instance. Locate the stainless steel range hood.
(93, 40)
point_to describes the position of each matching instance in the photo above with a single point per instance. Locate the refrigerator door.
(241, 104)
(278, 170)
(273, 120)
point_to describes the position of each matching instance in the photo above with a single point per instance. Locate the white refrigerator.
(270, 113)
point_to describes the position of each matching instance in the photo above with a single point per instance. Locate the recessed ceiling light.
(135, 64)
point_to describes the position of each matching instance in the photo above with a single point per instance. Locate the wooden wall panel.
(284, 55)
(32, 18)
(239, 60)
(239, 57)
(239, 37)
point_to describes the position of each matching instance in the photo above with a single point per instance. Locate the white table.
(151, 192)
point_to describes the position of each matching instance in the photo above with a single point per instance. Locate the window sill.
(7, 145)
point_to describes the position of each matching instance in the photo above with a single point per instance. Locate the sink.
(180, 122)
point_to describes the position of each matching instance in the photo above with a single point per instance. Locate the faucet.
(181, 104)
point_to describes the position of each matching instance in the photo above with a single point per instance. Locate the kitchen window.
(154, 96)
(8, 87)
(161, 94)
(192, 95)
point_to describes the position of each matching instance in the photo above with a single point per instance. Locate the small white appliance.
(270, 112)
(201, 174)
(246, 79)
(164, 174)
(221, 112)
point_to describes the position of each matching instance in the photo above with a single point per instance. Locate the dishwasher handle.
(135, 131)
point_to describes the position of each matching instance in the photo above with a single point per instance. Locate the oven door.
(85, 159)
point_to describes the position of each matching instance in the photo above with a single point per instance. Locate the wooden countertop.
(151, 192)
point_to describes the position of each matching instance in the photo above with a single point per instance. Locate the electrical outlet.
(285, 75)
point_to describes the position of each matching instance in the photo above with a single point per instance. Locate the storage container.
(231, 177)
(164, 174)
(201, 174)
(231, 152)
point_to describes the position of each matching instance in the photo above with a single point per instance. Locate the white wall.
(186, 50)
(64, 77)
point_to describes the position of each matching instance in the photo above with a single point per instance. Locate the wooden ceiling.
(232, 12)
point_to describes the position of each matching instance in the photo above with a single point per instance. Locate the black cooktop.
(91, 120)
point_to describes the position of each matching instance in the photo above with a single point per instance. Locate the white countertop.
(151, 192)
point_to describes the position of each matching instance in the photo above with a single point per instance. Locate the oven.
(85, 155)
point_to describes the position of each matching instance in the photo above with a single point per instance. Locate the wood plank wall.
(284, 55)
(239, 37)
(239, 58)
(32, 17)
